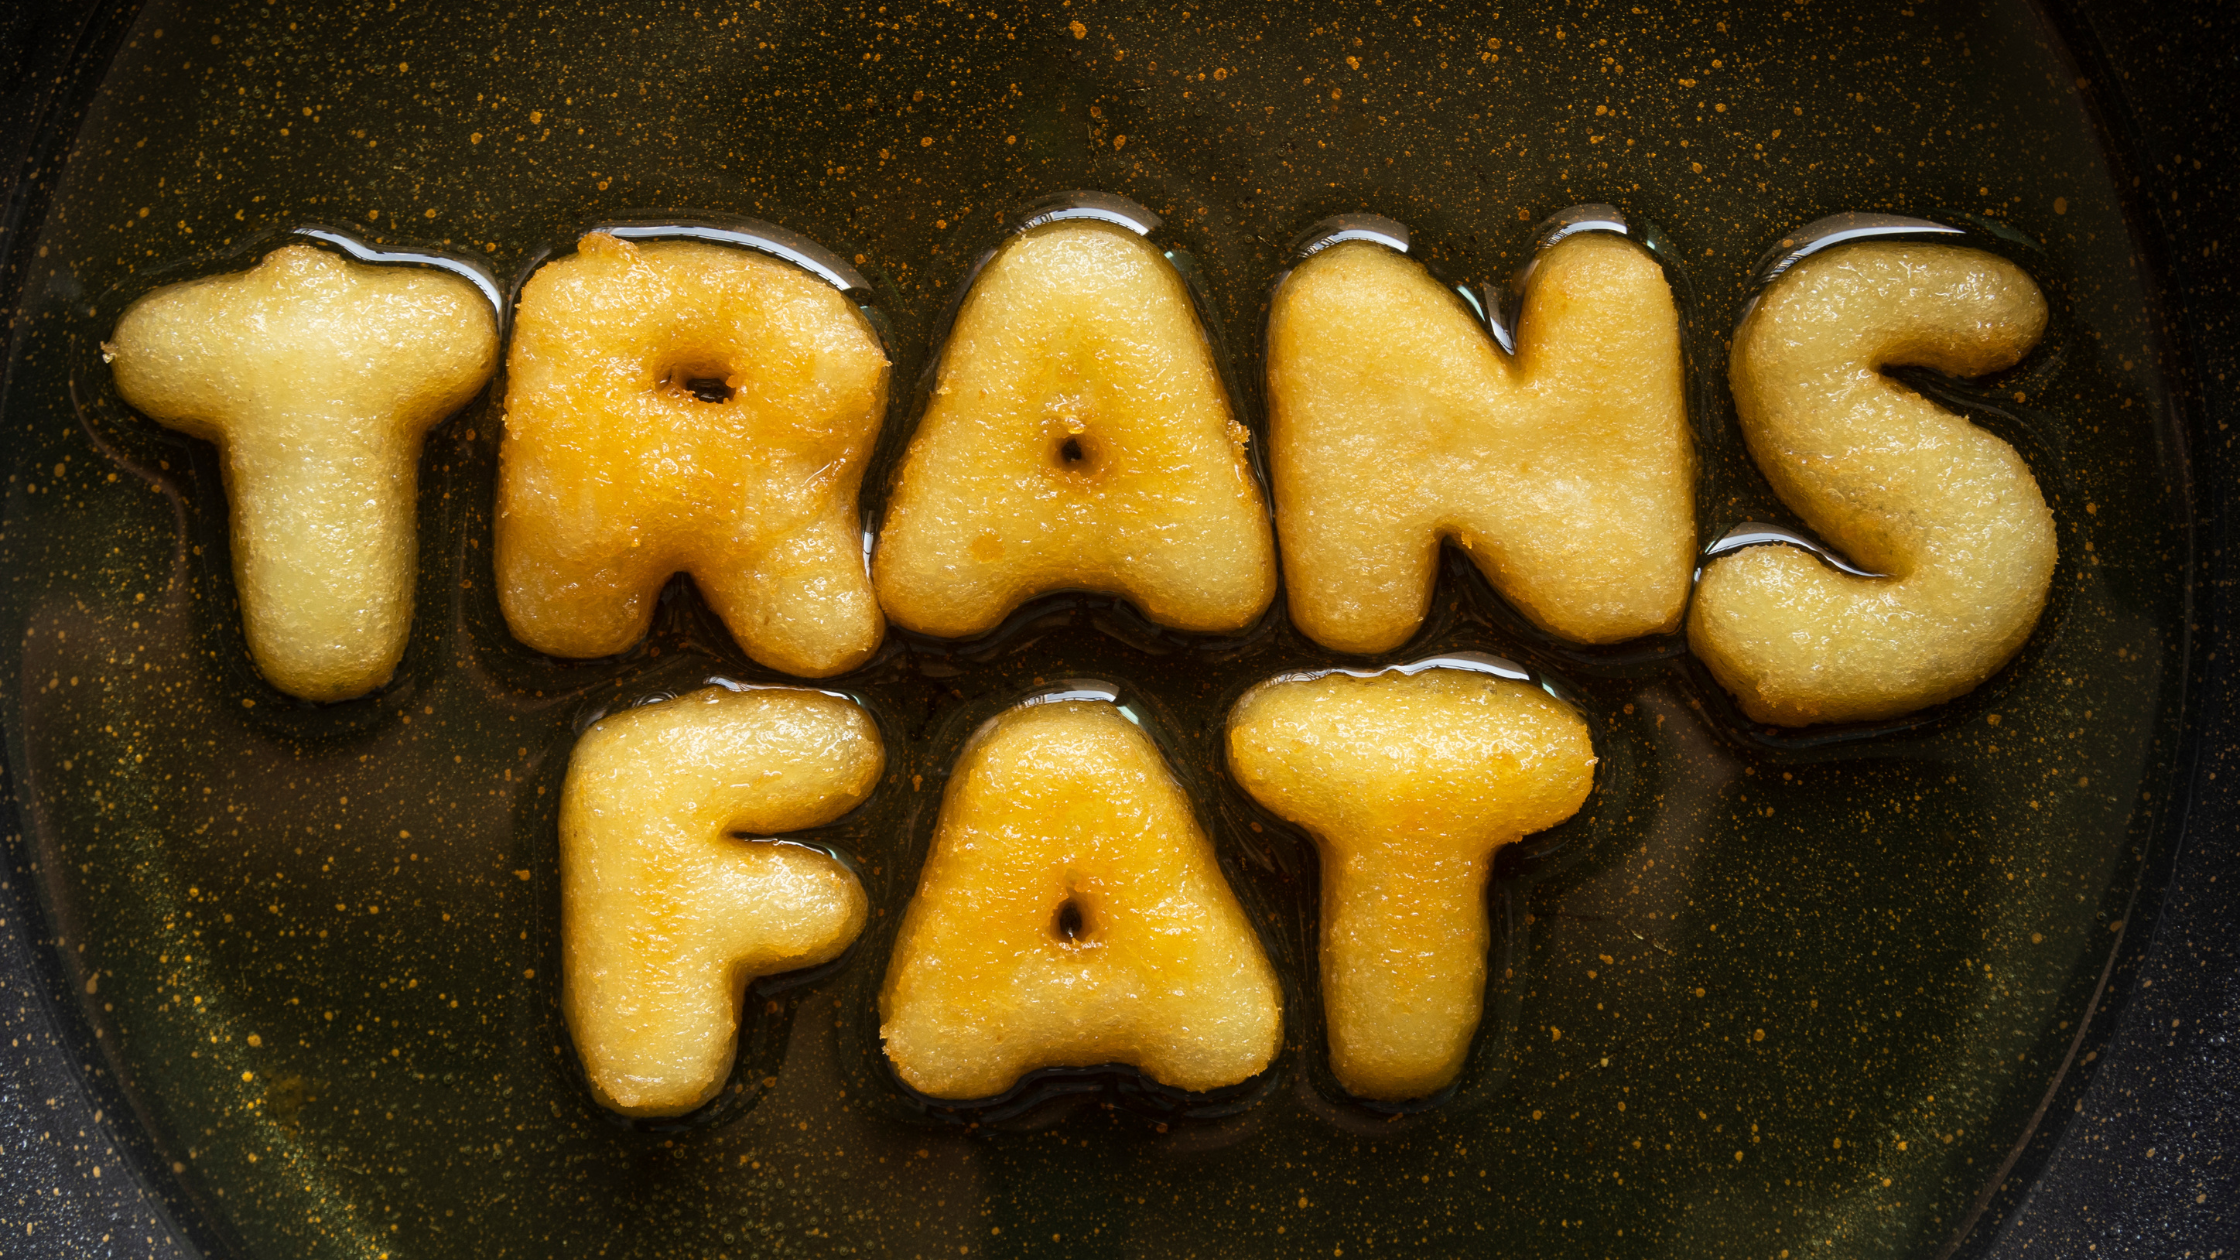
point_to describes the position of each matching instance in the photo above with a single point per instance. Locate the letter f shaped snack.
(673, 894)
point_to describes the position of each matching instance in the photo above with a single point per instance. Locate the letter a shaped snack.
(1070, 914)
(1078, 438)
(672, 895)
(1566, 472)
(316, 378)
(1948, 512)
(1408, 784)
(684, 406)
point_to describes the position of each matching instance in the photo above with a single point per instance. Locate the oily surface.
(1567, 472)
(1070, 914)
(674, 895)
(1409, 784)
(1904, 487)
(1077, 438)
(615, 474)
(1851, 899)
(316, 377)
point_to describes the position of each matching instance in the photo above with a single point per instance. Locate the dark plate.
(1813, 992)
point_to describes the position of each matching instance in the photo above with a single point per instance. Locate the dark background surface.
(2136, 1156)
(2145, 1164)
(66, 1187)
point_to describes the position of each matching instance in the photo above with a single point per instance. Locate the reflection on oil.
(1080, 204)
(1841, 229)
(763, 238)
(1759, 534)
(469, 270)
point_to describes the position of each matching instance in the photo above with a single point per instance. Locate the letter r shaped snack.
(674, 406)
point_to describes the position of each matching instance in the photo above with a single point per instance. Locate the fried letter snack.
(1395, 421)
(683, 406)
(668, 909)
(1071, 913)
(316, 378)
(1408, 785)
(1078, 438)
(1900, 485)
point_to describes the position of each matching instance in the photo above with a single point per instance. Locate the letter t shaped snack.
(1408, 784)
(316, 378)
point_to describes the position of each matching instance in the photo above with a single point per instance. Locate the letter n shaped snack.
(1395, 420)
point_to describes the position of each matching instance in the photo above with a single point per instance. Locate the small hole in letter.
(1069, 925)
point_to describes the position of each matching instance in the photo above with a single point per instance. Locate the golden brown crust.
(1409, 784)
(614, 474)
(1070, 805)
(1079, 438)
